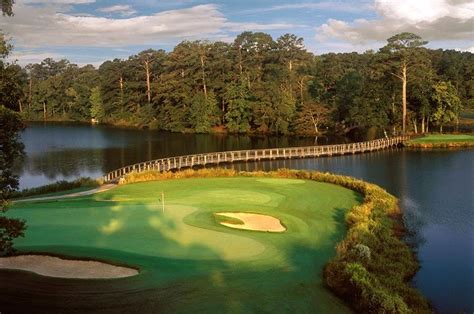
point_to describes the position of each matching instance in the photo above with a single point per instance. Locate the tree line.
(254, 84)
(11, 147)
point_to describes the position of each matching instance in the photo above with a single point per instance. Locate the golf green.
(188, 262)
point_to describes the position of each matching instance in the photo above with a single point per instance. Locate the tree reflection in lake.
(57, 151)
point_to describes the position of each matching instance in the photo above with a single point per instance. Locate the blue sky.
(92, 31)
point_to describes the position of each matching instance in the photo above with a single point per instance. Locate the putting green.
(188, 262)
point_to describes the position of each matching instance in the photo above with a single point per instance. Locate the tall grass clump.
(373, 267)
(440, 145)
(58, 187)
(153, 175)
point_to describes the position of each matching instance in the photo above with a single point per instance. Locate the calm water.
(57, 151)
(435, 188)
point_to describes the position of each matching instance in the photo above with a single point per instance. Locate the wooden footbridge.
(189, 161)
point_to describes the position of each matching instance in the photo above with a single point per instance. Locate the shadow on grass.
(160, 284)
(167, 284)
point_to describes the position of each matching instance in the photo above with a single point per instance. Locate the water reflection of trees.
(62, 151)
(66, 163)
(414, 221)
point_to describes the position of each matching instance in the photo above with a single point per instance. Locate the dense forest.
(254, 85)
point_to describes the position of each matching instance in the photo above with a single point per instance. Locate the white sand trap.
(255, 222)
(65, 268)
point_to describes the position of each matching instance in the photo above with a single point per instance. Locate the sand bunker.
(255, 222)
(64, 268)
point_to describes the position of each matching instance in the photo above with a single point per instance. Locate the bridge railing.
(187, 161)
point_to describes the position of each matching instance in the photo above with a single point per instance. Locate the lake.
(434, 187)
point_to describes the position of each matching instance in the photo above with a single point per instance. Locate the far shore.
(442, 141)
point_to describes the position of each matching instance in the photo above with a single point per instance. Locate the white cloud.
(340, 46)
(34, 26)
(240, 27)
(467, 49)
(25, 57)
(425, 10)
(58, 1)
(41, 26)
(123, 10)
(431, 19)
(325, 5)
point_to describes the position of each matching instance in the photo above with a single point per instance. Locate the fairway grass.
(187, 260)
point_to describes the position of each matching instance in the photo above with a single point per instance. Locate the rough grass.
(442, 140)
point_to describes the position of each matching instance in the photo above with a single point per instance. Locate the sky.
(92, 31)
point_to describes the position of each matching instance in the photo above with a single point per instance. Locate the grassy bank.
(59, 188)
(442, 141)
(373, 266)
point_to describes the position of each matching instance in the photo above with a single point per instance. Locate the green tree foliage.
(404, 52)
(311, 116)
(7, 7)
(239, 107)
(204, 113)
(97, 106)
(11, 150)
(12, 79)
(59, 90)
(257, 84)
(112, 86)
(447, 104)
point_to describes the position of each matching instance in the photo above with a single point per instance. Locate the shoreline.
(438, 145)
(217, 130)
(434, 141)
